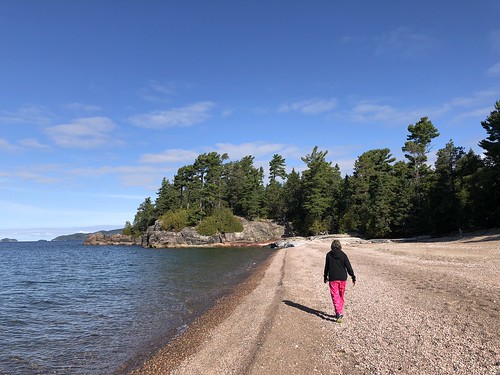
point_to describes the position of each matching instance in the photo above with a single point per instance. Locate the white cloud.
(176, 117)
(106, 170)
(169, 156)
(39, 178)
(375, 110)
(256, 149)
(158, 92)
(30, 115)
(368, 111)
(309, 107)
(41, 173)
(145, 176)
(402, 42)
(494, 70)
(6, 146)
(495, 40)
(32, 143)
(81, 107)
(405, 42)
(86, 133)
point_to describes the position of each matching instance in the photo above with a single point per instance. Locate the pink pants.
(337, 291)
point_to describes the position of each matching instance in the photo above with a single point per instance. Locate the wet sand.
(422, 307)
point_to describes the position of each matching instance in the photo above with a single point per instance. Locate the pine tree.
(167, 198)
(274, 191)
(372, 186)
(490, 176)
(145, 216)
(320, 182)
(416, 148)
(491, 144)
(445, 209)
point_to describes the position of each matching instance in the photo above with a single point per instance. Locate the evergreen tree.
(145, 216)
(445, 209)
(245, 189)
(277, 168)
(208, 170)
(490, 175)
(187, 185)
(471, 191)
(167, 198)
(402, 205)
(491, 144)
(416, 148)
(274, 191)
(372, 187)
(293, 197)
(320, 183)
(127, 230)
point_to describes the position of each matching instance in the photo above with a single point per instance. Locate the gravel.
(417, 308)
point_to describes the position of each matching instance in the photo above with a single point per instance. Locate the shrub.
(317, 227)
(220, 221)
(174, 221)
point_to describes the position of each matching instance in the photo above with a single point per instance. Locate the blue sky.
(99, 100)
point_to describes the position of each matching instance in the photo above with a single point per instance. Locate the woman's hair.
(336, 245)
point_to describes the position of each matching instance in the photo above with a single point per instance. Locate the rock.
(186, 237)
(8, 240)
(255, 232)
(114, 239)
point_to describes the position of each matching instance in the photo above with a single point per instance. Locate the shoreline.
(181, 346)
(408, 313)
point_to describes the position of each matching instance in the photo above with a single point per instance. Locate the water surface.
(66, 308)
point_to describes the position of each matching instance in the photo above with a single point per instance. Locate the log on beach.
(417, 308)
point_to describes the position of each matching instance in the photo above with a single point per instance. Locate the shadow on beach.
(309, 310)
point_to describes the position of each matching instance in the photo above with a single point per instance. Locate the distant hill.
(83, 236)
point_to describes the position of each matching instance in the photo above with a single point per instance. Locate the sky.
(100, 100)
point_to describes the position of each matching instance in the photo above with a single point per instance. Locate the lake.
(66, 308)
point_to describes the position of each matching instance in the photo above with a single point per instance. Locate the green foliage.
(166, 198)
(274, 194)
(491, 144)
(382, 198)
(372, 198)
(445, 208)
(220, 221)
(320, 183)
(174, 221)
(145, 216)
(127, 230)
(245, 189)
(277, 168)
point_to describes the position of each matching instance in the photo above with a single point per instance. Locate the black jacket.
(337, 266)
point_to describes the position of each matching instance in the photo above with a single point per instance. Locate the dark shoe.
(339, 318)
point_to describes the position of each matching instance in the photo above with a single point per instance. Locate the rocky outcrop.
(8, 240)
(255, 232)
(155, 237)
(114, 239)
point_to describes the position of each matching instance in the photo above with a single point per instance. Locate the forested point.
(383, 198)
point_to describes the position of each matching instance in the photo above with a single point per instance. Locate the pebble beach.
(423, 307)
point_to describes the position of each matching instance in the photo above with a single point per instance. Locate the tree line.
(382, 198)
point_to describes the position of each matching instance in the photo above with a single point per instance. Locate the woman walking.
(337, 266)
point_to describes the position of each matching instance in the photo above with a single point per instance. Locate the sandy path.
(417, 308)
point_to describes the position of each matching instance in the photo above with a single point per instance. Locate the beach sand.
(417, 308)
